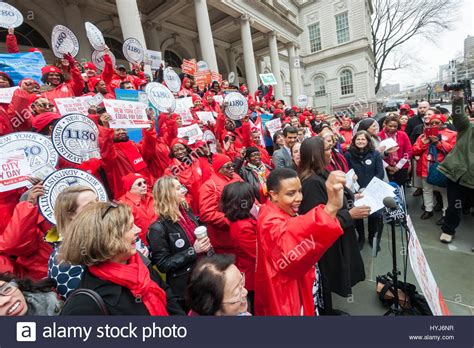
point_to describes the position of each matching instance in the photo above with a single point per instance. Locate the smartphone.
(431, 131)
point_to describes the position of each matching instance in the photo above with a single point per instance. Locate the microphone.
(390, 203)
(394, 213)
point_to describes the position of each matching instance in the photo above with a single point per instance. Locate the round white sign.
(133, 50)
(39, 151)
(10, 17)
(98, 59)
(75, 138)
(96, 39)
(173, 82)
(160, 97)
(237, 106)
(64, 41)
(302, 101)
(202, 65)
(209, 137)
(231, 77)
(56, 182)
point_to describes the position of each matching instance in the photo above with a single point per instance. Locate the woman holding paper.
(398, 161)
(367, 164)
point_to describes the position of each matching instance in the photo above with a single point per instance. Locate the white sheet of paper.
(194, 133)
(206, 116)
(388, 143)
(6, 94)
(350, 179)
(401, 163)
(184, 103)
(374, 194)
(126, 114)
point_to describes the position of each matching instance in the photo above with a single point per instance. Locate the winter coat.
(142, 210)
(42, 303)
(347, 135)
(73, 88)
(366, 165)
(250, 176)
(244, 236)
(404, 147)
(410, 127)
(287, 251)
(217, 224)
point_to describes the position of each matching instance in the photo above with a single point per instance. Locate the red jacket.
(11, 43)
(247, 142)
(445, 145)
(116, 80)
(73, 88)
(404, 148)
(142, 210)
(23, 239)
(287, 251)
(217, 224)
(244, 237)
(347, 135)
(19, 111)
(206, 168)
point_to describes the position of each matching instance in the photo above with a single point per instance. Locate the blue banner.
(21, 65)
(265, 118)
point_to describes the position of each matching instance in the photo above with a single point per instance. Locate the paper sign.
(98, 59)
(219, 99)
(206, 116)
(237, 106)
(388, 143)
(374, 194)
(78, 105)
(424, 276)
(15, 170)
(153, 58)
(95, 100)
(401, 163)
(215, 76)
(273, 126)
(351, 182)
(64, 41)
(21, 65)
(6, 94)
(10, 17)
(184, 103)
(193, 133)
(189, 67)
(133, 51)
(126, 114)
(96, 39)
(302, 101)
(172, 80)
(268, 79)
(202, 78)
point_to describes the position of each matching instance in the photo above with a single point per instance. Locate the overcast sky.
(448, 45)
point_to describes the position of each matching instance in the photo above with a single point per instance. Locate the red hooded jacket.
(142, 210)
(244, 237)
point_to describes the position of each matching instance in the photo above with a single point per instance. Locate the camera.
(457, 86)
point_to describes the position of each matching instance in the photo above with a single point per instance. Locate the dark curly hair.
(26, 284)
(237, 200)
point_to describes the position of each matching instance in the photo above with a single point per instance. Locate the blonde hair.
(95, 234)
(166, 200)
(66, 205)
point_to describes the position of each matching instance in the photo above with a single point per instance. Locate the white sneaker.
(446, 238)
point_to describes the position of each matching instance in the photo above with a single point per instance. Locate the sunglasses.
(45, 106)
(112, 205)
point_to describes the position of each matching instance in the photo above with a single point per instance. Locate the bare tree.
(397, 21)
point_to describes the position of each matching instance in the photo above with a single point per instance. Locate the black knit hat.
(250, 150)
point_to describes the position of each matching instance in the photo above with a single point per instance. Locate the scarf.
(135, 277)
(338, 162)
(187, 225)
(133, 155)
(359, 154)
(261, 176)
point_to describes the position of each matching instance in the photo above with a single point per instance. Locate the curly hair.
(26, 284)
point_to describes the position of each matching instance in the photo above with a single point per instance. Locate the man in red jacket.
(209, 197)
(288, 246)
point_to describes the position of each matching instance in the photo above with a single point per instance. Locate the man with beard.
(416, 120)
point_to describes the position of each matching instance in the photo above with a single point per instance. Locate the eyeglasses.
(241, 298)
(141, 183)
(112, 205)
(228, 166)
(45, 106)
(9, 288)
(435, 123)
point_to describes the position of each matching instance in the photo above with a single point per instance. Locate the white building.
(320, 48)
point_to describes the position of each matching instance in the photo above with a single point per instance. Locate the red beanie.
(34, 49)
(277, 111)
(195, 97)
(302, 119)
(129, 179)
(438, 117)
(43, 120)
(179, 141)
(50, 69)
(33, 98)
(218, 160)
(243, 88)
(90, 65)
(93, 81)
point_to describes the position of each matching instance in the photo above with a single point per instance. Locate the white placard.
(219, 99)
(98, 58)
(64, 41)
(268, 79)
(133, 51)
(302, 101)
(172, 80)
(95, 100)
(194, 133)
(153, 59)
(160, 97)
(10, 17)
(78, 105)
(401, 163)
(351, 182)
(126, 114)
(15, 170)
(231, 77)
(237, 106)
(374, 194)
(388, 143)
(184, 103)
(273, 126)
(96, 39)
(424, 276)
(6, 94)
(202, 66)
(206, 116)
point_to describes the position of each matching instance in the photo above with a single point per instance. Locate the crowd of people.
(260, 224)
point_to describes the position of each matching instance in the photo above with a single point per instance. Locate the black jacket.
(365, 166)
(172, 252)
(248, 175)
(411, 124)
(118, 299)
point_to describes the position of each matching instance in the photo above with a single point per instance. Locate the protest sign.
(95, 100)
(302, 101)
(265, 118)
(77, 105)
(237, 106)
(219, 99)
(75, 138)
(202, 78)
(210, 138)
(160, 97)
(39, 151)
(64, 41)
(126, 114)
(153, 59)
(6, 94)
(15, 170)
(424, 276)
(273, 126)
(96, 39)
(215, 76)
(56, 182)
(268, 79)
(193, 133)
(206, 116)
(98, 58)
(133, 51)
(172, 80)
(22, 65)
(189, 67)
(10, 17)
(184, 103)
(202, 66)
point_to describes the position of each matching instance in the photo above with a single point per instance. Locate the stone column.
(275, 60)
(249, 60)
(153, 41)
(232, 63)
(75, 22)
(294, 73)
(205, 34)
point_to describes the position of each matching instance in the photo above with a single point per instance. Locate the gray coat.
(282, 159)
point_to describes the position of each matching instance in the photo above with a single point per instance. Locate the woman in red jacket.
(140, 201)
(236, 202)
(427, 147)
(398, 161)
(54, 78)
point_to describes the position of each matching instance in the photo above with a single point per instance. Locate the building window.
(319, 86)
(172, 60)
(342, 28)
(347, 87)
(314, 37)
(26, 36)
